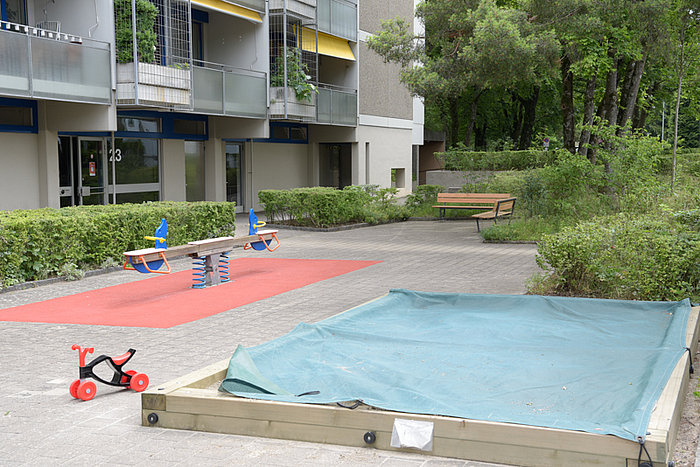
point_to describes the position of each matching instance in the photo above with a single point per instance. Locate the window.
(190, 127)
(138, 125)
(283, 132)
(18, 115)
(13, 11)
(136, 160)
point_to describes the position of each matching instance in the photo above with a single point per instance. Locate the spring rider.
(261, 244)
(143, 266)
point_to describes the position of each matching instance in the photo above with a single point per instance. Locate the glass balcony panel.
(323, 10)
(343, 20)
(70, 71)
(14, 66)
(324, 105)
(245, 95)
(344, 106)
(257, 5)
(208, 90)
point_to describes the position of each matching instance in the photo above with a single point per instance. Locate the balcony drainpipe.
(135, 51)
(92, 28)
(113, 156)
(284, 54)
(191, 55)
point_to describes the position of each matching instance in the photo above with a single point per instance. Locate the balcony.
(302, 8)
(338, 18)
(43, 64)
(223, 90)
(336, 105)
(285, 105)
(157, 85)
(257, 5)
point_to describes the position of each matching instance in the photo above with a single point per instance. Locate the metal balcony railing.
(224, 90)
(336, 105)
(45, 64)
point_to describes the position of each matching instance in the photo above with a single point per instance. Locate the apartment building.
(140, 100)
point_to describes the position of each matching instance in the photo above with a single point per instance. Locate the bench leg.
(477, 225)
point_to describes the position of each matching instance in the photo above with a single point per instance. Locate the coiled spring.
(223, 267)
(199, 273)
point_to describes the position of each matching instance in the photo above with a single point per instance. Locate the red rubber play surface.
(165, 301)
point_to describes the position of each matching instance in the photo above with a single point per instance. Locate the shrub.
(325, 206)
(624, 257)
(424, 195)
(35, 244)
(459, 158)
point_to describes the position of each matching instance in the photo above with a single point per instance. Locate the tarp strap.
(308, 393)
(690, 358)
(353, 406)
(639, 458)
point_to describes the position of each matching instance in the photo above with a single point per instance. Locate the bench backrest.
(471, 198)
(504, 205)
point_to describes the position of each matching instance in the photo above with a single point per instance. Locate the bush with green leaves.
(624, 256)
(421, 201)
(459, 158)
(298, 77)
(326, 206)
(39, 243)
(146, 38)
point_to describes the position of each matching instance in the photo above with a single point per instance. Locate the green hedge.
(461, 159)
(35, 244)
(325, 206)
(623, 257)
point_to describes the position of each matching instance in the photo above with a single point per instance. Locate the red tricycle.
(86, 390)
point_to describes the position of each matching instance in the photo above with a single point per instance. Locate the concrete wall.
(372, 12)
(337, 71)
(95, 18)
(388, 148)
(380, 91)
(235, 41)
(67, 116)
(427, 160)
(19, 175)
(276, 166)
(172, 162)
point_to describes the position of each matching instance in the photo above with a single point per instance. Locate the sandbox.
(194, 402)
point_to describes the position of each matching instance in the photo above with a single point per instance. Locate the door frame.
(105, 172)
(240, 204)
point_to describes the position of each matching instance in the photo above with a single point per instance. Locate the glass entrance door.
(335, 165)
(234, 175)
(91, 189)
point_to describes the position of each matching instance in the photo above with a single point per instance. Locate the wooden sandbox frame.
(192, 403)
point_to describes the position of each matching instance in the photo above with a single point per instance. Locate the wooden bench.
(496, 204)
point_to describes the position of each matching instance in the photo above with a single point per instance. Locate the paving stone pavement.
(40, 424)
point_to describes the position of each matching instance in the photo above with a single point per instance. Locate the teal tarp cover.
(572, 363)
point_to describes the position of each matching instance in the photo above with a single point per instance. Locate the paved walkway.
(40, 424)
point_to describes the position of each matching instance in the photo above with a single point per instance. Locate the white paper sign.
(412, 434)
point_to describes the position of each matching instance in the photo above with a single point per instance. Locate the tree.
(684, 20)
(603, 44)
(471, 47)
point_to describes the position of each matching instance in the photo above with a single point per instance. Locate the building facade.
(140, 100)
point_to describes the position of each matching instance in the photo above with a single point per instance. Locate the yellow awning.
(229, 9)
(327, 44)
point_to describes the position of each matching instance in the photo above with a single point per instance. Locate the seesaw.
(210, 256)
